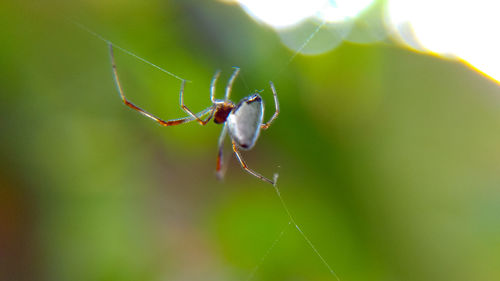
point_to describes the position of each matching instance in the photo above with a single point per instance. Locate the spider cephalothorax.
(222, 110)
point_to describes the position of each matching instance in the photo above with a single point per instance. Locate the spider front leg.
(250, 171)
(212, 85)
(276, 104)
(229, 85)
(162, 122)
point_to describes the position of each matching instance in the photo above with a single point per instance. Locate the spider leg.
(212, 86)
(220, 170)
(276, 104)
(162, 122)
(188, 111)
(230, 82)
(245, 167)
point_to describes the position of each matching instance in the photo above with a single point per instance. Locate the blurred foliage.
(388, 159)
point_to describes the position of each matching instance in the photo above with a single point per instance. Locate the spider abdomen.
(245, 120)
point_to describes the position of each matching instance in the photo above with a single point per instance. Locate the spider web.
(291, 220)
(293, 223)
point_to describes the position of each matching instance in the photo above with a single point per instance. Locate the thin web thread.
(292, 220)
(83, 27)
(301, 48)
(278, 239)
(242, 77)
(256, 268)
(311, 36)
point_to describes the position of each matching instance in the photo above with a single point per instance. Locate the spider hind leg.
(250, 171)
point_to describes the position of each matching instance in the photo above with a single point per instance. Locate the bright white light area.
(465, 29)
(286, 13)
(296, 22)
(341, 10)
(281, 13)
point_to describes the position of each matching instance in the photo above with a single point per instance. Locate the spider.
(243, 120)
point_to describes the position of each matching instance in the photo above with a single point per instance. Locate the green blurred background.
(388, 159)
